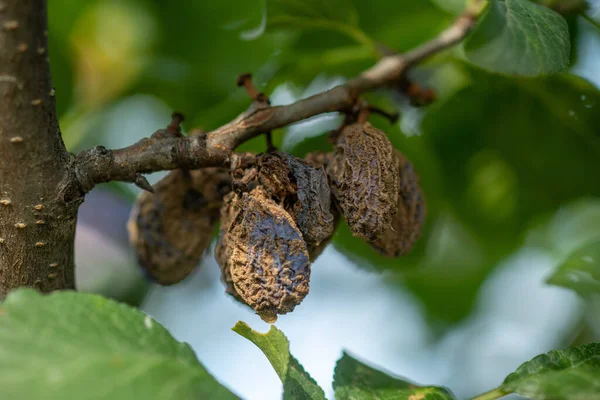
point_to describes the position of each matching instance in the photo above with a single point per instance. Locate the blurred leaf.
(498, 142)
(354, 380)
(508, 152)
(199, 54)
(111, 40)
(335, 15)
(62, 17)
(401, 24)
(571, 228)
(326, 11)
(72, 345)
(454, 7)
(521, 38)
(580, 271)
(297, 384)
(571, 374)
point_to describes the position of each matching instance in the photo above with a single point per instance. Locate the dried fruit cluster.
(280, 216)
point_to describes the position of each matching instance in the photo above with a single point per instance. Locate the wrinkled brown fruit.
(262, 250)
(171, 228)
(406, 226)
(229, 209)
(364, 180)
(302, 190)
(321, 160)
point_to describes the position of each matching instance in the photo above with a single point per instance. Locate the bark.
(37, 214)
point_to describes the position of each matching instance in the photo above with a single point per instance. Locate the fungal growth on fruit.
(262, 250)
(171, 228)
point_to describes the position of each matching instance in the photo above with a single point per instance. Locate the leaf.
(103, 73)
(297, 383)
(521, 38)
(69, 345)
(303, 11)
(357, 381)
(454, 7)
(580, 271)
(335, 15)
(571, 374)
(178, 76)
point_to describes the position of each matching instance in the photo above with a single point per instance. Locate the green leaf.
(341, 11)
(454, 7)
(357, 381)
(521, 38)
(69, 345)
(571, 374)
(580, 271)
(335, 15)
(297, 383)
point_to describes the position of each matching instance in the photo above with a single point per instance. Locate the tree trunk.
(38, 209)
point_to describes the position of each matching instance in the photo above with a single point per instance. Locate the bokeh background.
(509, 167)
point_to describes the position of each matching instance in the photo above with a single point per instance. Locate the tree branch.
(159, 153)
(98, 165)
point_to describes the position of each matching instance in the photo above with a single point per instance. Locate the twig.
(591, 20)
(214, 149)
(98, 165)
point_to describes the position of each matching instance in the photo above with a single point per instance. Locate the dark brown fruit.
(400, 237)
(364, 179)
(171, 228)
(302, 190)
(262, 250)
(321, 160)
(229, 209)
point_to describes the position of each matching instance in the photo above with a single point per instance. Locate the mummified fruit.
(171, 228)
(302, 190)
(321, 160)
(405, 229)
(364, 179)
(262, 250)
(229, 209)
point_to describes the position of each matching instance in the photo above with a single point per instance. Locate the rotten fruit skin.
(222, 250)
(263, 252)
(364, 180)
(303, 191)
(170, 229)
(400, 237)
(321, 160)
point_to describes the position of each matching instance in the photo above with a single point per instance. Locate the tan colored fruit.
(171, 228)
(262, 250)
(400, 237)
(364, 179)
